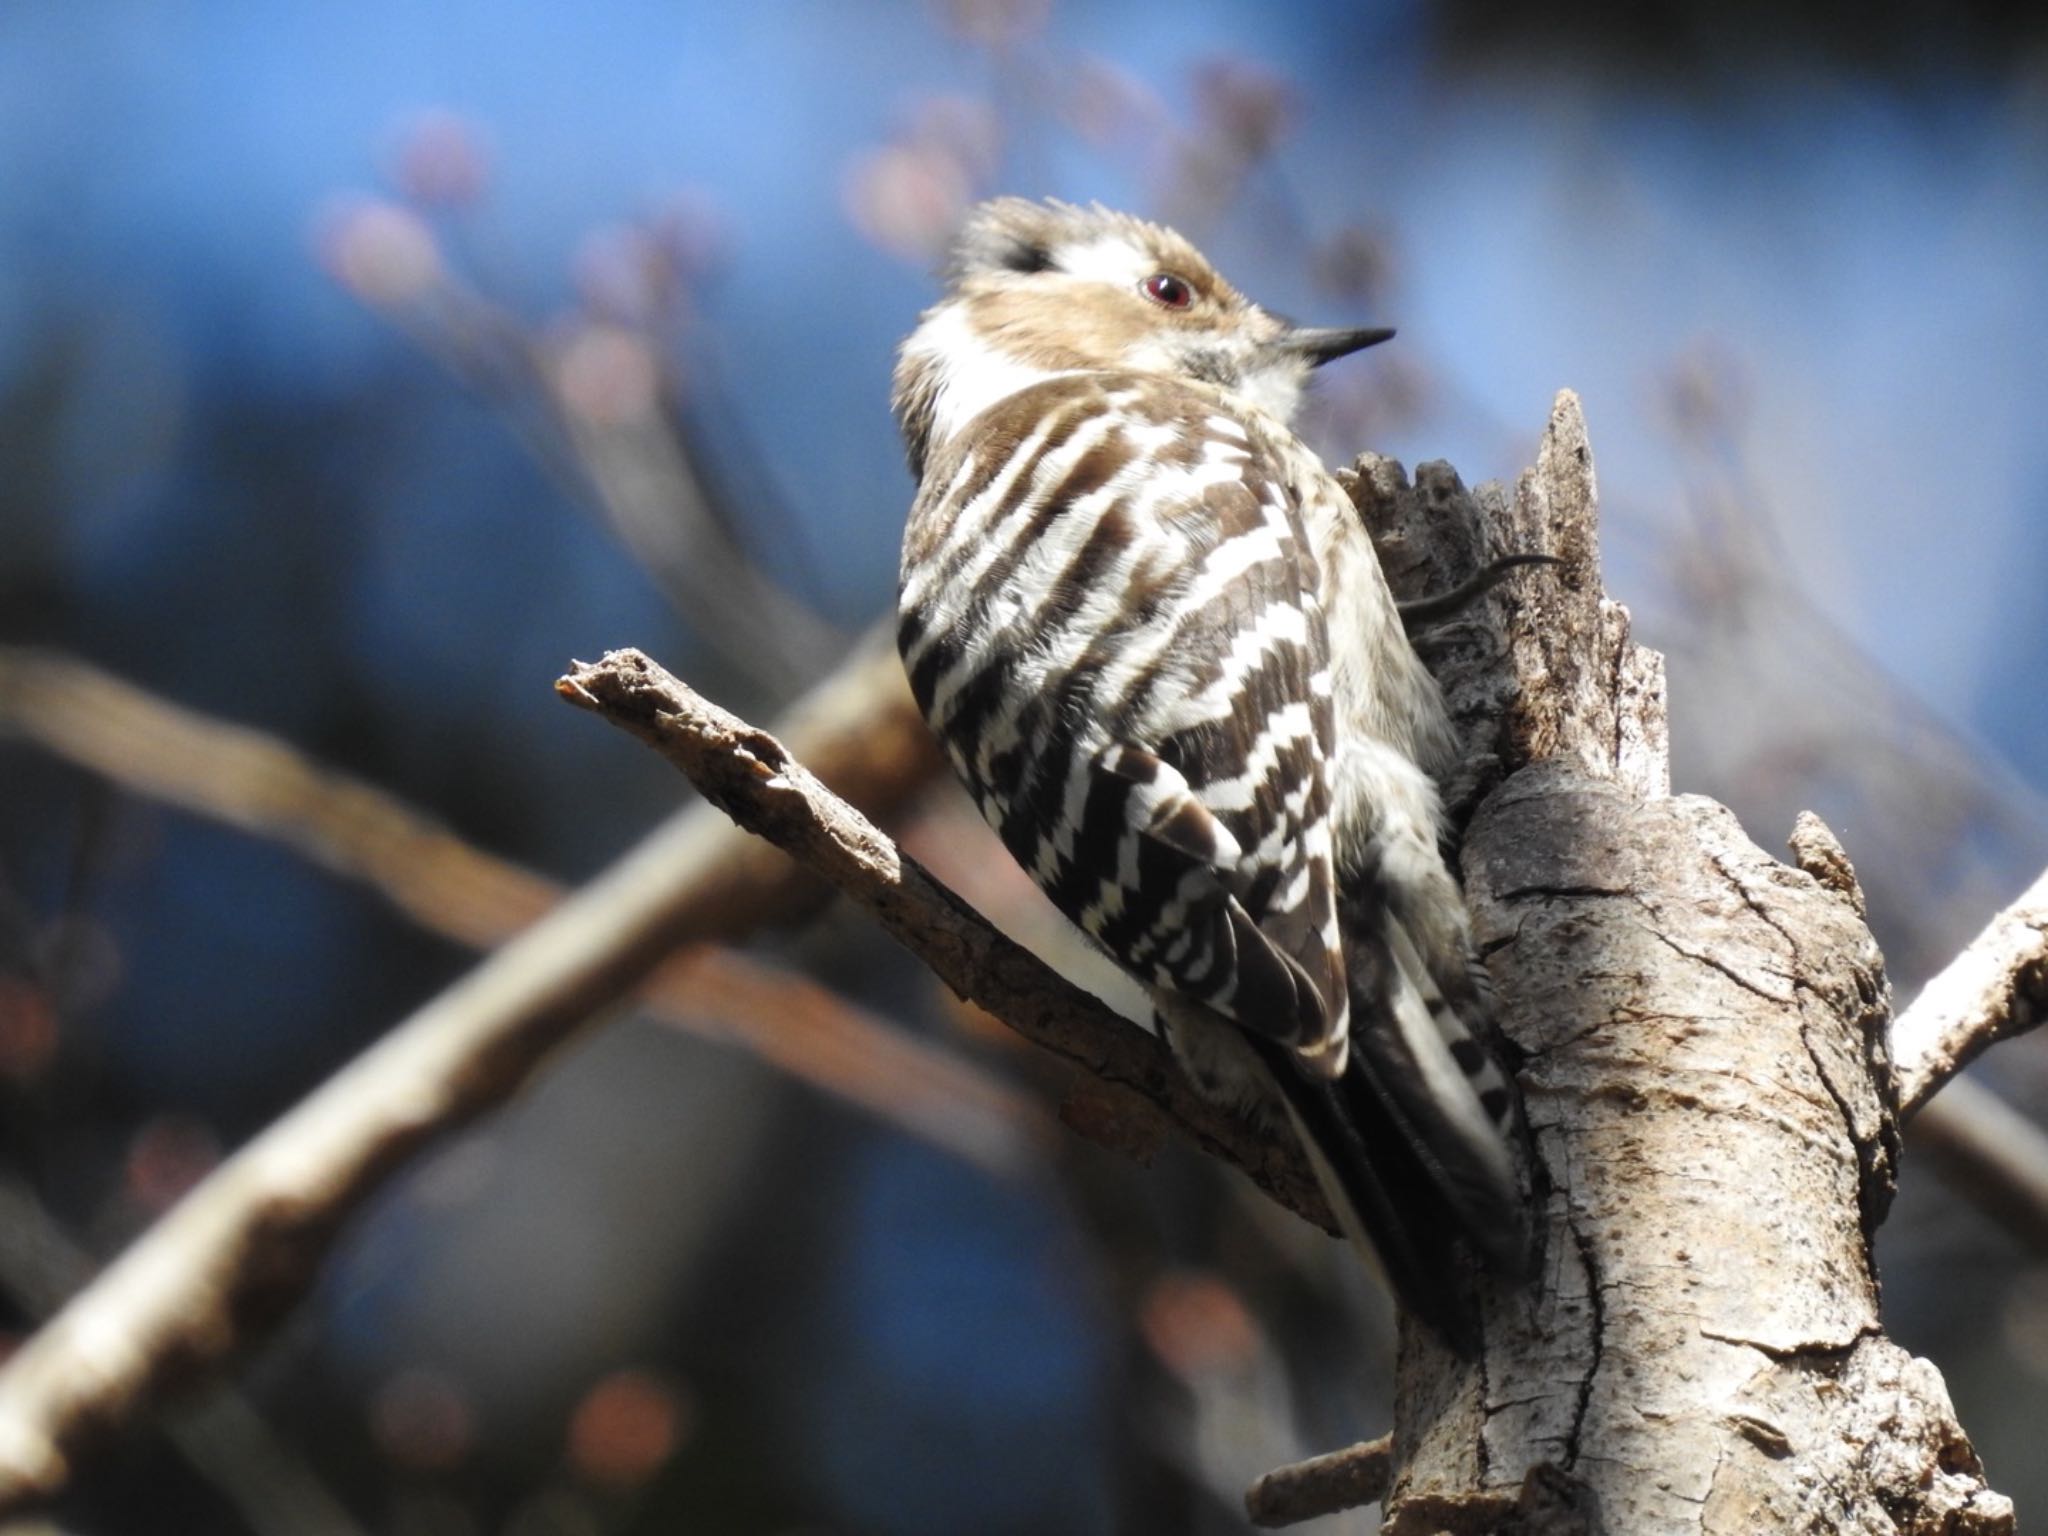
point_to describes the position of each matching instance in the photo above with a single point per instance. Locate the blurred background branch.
(1991, 1154)
(258, 784)
(221, 1434)
(667, 251)
(236, 1253)
(220, 1269)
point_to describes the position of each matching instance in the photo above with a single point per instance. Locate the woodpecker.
(1149, 630)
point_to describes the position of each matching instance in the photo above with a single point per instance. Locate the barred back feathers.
(1152, 636)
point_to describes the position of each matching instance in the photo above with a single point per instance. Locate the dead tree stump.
(1703, 1033)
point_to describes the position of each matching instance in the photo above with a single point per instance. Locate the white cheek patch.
(973, 375)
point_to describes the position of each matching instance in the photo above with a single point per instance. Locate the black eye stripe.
(1025, 257)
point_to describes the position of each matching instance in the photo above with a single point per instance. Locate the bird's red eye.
(1165, 289)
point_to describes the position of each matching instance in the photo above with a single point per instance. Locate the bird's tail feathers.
(1427, 1069)
(1383, 1198)
(1417, 1146)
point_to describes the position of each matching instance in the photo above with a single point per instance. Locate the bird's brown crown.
(1039, 289)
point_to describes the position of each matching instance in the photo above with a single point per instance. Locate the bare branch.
(1322, 1485)
(1990, 1153)
(754, 779)
(1996, 988)
(855, 721)
(598, 410)
(859, 727)
(222, 1436)
(243, 1246)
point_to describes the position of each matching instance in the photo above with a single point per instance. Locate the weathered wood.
(1705, 1069)
(1321, 1485)
(754, 779)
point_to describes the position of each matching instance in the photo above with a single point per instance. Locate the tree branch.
(1996, 988)
(222, 1436)
(854, 722)
(230, 1258)
(1703, 1032)
(858, 727)
(1322, 1485)
(242, 1246)
(755, 780)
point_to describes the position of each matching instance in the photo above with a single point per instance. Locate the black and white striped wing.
(1109, 617)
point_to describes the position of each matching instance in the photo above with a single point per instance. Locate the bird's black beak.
(1317, 345)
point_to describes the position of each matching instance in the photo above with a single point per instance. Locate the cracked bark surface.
(1708, 1090)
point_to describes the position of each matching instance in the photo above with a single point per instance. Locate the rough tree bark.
(1704, 1046)
(1708, 1087)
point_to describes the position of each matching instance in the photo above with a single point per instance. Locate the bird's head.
(1037, 289)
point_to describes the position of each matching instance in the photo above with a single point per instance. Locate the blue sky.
(1869, 261)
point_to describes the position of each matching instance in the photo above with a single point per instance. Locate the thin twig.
(755, 780)
(1996, 988)
(1322, 1485)
(859, 726)
(253, 781)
